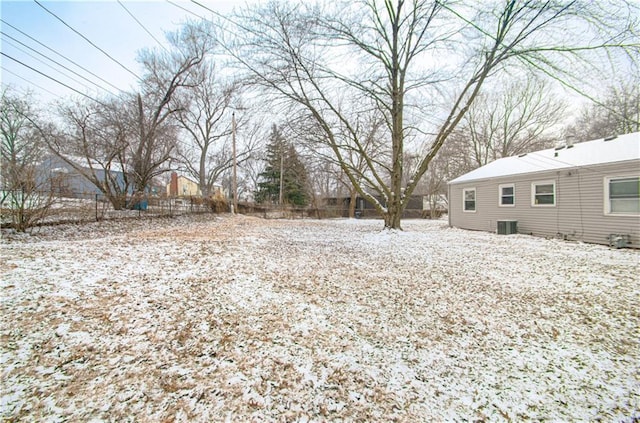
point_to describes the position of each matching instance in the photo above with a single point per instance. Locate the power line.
(48, 58)
(186, 10)
(45, 63)
(87, 40)
(219, 15)
(205, 7)
(50, 77)
(26, 80)
(59, 54)
(141, 25)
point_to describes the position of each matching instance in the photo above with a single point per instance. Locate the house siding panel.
(577, 215)
(74, 182)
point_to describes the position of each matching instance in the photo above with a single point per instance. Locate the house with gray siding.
(587, 191)
(71, 181)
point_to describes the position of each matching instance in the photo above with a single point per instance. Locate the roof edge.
(545, 171)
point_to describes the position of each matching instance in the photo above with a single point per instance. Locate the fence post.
(96, 207)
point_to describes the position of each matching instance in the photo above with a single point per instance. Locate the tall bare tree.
(21, 146)
(166, 73)
(516, 119)
(395, 54)
(25, 190)
(617, 113)
(93, 139)
(208, 117)
(369, 127)
(205, 119)
(121, 143)
(249, 177)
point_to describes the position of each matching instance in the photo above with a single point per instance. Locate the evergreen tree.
(282, 157)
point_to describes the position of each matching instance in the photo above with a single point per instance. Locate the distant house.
(181, 186)
(587, 191)
(70, 182)
(416, 206)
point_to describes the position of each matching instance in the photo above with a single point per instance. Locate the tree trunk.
(204, 184)
(394, 204)
(352, 202)
(118, 201)
(393, 216)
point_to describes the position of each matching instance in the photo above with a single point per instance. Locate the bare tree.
(20, 146)
(251, 169)
(208, 111)
(450, 162)
(617, 113)
(370, 133)
(26, 191)
(166, 74)
(517, 119)
(120, 144)
(93, 140)
(322, 179)
(205, 119)
(395, 54)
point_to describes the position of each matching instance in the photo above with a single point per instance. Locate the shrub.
(217, 203)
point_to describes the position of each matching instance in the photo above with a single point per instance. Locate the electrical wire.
(27, 81)
(218, 14)
(51, 78)
(142, 26)
(87, 40)
(204, 7)
(210, 10)
(46, 64)
(186, 10)
(59, 54)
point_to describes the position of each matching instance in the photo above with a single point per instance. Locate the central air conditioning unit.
(507, 227)
(618, 240)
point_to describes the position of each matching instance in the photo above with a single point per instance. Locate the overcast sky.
(107, 24)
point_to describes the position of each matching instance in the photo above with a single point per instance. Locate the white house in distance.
(587, 191)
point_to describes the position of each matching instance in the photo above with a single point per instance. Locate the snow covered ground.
(240, 319)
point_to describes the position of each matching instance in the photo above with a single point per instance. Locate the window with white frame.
(507, 193)
(543, 193)
(622, 195)
(469, 199)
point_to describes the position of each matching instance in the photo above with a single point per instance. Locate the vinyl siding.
(577, 215)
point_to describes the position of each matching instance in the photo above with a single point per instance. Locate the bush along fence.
(20, 210)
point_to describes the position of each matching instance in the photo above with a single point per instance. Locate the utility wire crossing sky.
(70, 48)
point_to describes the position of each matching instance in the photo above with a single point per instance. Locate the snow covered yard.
(241, 319)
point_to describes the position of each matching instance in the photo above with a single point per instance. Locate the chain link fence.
(22, 210)
(323, 212)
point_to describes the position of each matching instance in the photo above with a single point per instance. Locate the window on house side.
(507, 195)
(469, 199)
(543, 193)
(623, 195)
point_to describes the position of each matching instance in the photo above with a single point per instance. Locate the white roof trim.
(589, 153)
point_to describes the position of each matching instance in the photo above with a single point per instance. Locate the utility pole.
(235, 163)
(281, 175)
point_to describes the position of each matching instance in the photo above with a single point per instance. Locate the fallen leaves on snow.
(241, 319)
